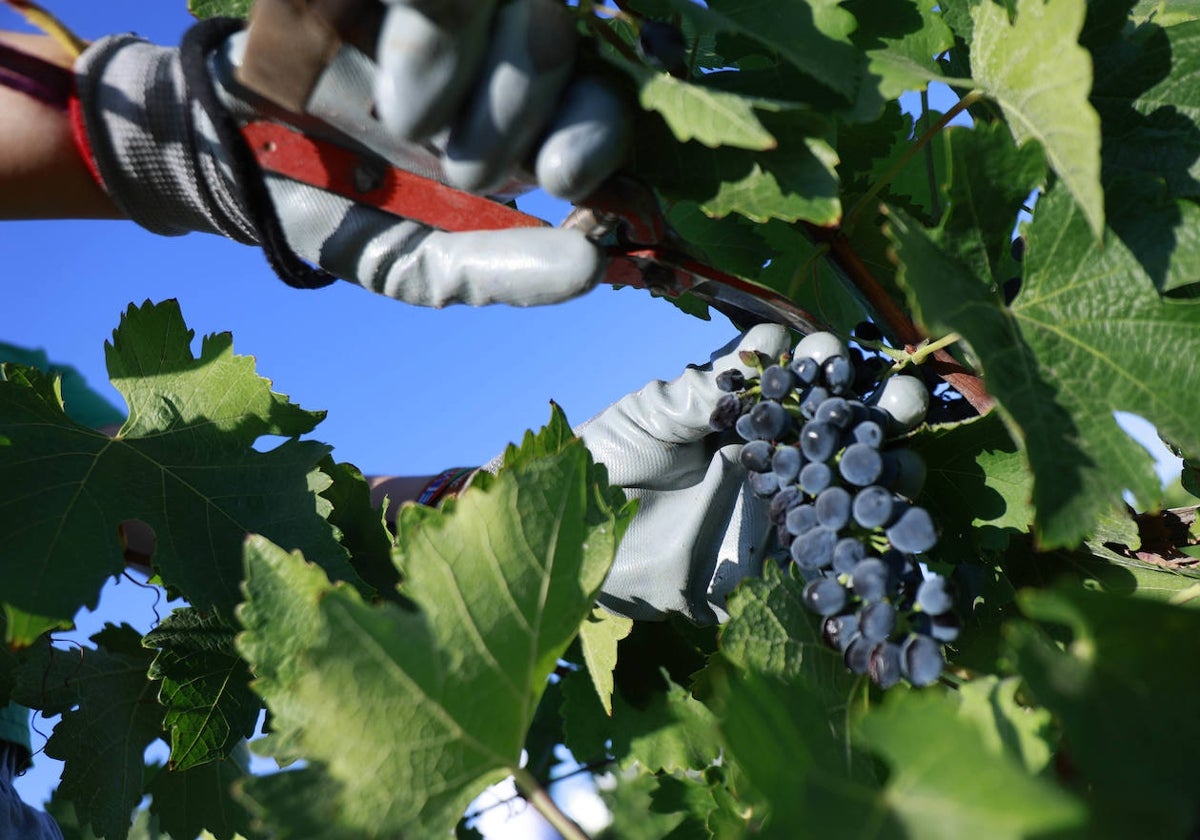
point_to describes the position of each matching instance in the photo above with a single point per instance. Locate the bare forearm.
(42, 175)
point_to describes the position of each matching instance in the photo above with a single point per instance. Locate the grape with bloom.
(841, 487)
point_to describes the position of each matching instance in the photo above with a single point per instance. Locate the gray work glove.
(467, 97)
(698, 530)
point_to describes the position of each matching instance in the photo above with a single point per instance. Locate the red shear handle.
(284, 151)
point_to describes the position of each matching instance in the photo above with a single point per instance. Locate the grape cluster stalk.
(822, 443)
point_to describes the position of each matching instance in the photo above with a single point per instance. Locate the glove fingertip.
(587, 142)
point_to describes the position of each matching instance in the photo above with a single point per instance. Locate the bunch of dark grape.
(821, 444)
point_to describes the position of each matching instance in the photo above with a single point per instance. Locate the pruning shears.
(623, 217)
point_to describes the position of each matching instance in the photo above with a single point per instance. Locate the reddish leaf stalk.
(842, 253)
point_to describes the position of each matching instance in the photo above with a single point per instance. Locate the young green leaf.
(205, 687)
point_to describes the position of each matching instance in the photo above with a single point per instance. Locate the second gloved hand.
(466, 92)
(698, 530)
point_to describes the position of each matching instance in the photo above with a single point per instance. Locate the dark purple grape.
(806, 370)
(833, 508)
(835, 411)
(824, 596)
(1010, 289)
(662, 46)
(839, 374)
(763, 484)
(877, 621)
(884, 664)
(904, 472)
(839, 629)
(818, 441)
(899, 564)
(731, 380)
(783, 501)
(860, 464)
(812, 400)
(786, 463)
(1017, 249)
(867, 374)
(727, 412)
(934, 596)
(847, 554)
(815, 477)
(813, 549)
(913, 531)
(873, 506)
(945, 627)
(867, 331)
(776, 382)
(870, 580)
(858, 654)
(800, 519)
(769, 419)
(745, 428)
(756, 456)
(921, 660)
(868, 432)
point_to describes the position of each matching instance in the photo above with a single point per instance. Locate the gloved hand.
(495, 85)
(698, 530)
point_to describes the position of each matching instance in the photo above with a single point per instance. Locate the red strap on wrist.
(79, 134)
(445, 485)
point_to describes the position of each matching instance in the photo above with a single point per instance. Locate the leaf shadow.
(1151, 155)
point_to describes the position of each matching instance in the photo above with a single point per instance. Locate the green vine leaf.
(598, 636)
(796, 180)
(436, 701)
(205, 687)
(1039, 75)
(198, 802)
(902, 41)
(220, 8)
(812, 35)
(978, 486)
(695, 112)
(771, 632)
(1085, 315)
(938, 787)
(183, 463)
(1131, 762)
(1025, 734)
(109, 717)
(668, 731)
(1145, 94)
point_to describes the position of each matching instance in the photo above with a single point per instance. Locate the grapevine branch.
(843, 255)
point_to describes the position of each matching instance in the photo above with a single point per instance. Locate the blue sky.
(408, 390)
